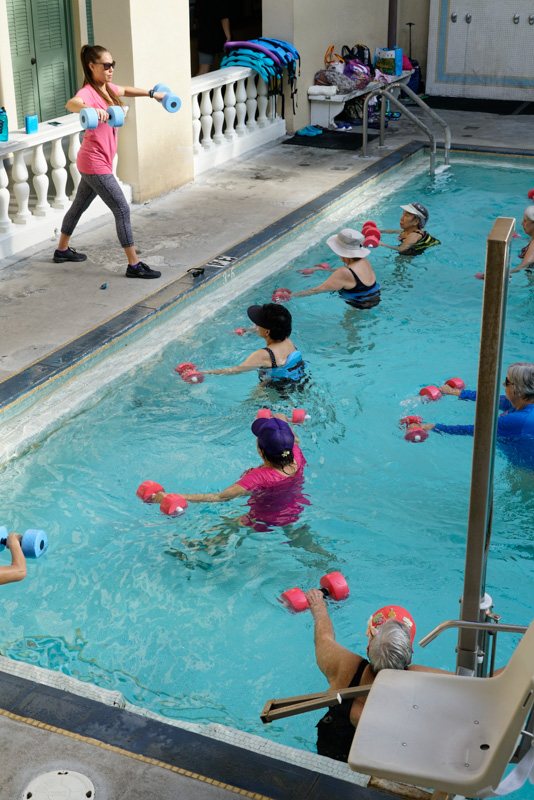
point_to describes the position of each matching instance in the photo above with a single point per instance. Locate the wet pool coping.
(201, 758)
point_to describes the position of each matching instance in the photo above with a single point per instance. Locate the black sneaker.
(70, 254)
(142, 271)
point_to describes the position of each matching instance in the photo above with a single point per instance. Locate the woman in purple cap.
(275, 487)
(355, 281)
(413, 238)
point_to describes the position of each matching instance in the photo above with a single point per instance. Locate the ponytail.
(89, 55)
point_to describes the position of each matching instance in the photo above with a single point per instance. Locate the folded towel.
(325, 91)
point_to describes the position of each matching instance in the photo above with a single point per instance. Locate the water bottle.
(3, 125)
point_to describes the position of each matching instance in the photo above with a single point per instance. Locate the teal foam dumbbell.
(34, 542)
(89, 117)
(171, 102)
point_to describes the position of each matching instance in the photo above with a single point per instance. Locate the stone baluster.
(218, 115)
(252, 103)
(21, 188)
(229, 112)
(5, 223)
(59, 173)
(271, 108)
(40, 182)
(206, 120)
(241, 108)
(262, 103)
(196, 123)
(74, 146)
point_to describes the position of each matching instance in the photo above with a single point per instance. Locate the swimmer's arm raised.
(399, 230)
(333, 283)
(330, 655)
(255, 360)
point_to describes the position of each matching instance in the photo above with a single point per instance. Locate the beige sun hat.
(348, 243)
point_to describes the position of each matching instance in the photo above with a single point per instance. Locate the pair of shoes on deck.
(140, 270)
(310, 130)
(343, 126)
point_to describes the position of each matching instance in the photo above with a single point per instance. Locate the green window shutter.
(51, 51)
(19, 18)
(90, 29)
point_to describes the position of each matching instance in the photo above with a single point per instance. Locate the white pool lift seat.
(446, 732)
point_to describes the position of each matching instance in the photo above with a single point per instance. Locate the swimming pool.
(182, 615)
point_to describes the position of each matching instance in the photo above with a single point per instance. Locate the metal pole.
(471, 644)
(408, 114)
(392, 23)
(432, 113)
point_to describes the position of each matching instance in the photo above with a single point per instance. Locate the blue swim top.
(361, 296)
(292, 370)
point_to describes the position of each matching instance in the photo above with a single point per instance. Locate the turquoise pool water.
(181, 615)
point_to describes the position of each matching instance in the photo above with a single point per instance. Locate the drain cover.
(60, 785)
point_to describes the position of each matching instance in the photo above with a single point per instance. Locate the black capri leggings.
(106, 187)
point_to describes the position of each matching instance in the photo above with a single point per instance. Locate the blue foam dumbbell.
(171, 102)
(34, 542)
(89, 117)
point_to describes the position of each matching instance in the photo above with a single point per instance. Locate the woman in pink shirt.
(275, 487)
(95, 159)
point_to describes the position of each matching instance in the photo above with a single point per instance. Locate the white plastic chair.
(445, 732)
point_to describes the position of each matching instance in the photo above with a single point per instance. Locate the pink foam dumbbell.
(306, 271)
(429, 393)
(240, 331)
(299, 415)
(332, 585)
(147, 490)
(189, 373)
(415, 434)
(371, 241)
(173, 504)
(369, 222)
(281, 295)
(530, 194)
(480, 276)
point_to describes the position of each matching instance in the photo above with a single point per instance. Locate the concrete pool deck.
(43, 307)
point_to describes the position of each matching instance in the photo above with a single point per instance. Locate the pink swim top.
(95, 156)
(276, 499)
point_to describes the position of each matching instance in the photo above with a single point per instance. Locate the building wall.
(313, 25)
(150, 46)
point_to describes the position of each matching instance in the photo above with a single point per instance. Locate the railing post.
(40, 182)
(6, 224)
(196, 123)
(74, 146)
(241, 108)
(59, 174)
(229, 111)
(262, 103)
(252, 103)
(481, 495)
(21, 188)
(206, 120)
(218, 115)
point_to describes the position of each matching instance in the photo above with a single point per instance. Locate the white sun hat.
(348, 243)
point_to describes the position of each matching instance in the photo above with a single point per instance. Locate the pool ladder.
(386, 94)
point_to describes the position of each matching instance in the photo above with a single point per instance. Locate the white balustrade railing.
(31, 208)
(232, 113)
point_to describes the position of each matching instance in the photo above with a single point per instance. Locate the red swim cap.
(390, 612)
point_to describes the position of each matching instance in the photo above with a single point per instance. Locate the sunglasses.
(107, 64)
(507, 382)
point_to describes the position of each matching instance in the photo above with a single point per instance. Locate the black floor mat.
(503, 107)
(332, 140)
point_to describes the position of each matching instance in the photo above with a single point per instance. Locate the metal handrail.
(431, 113)
(396, 102)
(478, 626)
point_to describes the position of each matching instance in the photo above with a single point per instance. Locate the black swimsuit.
(335, 731)
(361, 296)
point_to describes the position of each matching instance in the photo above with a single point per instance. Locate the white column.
(196, 124)
(74, 146)
(206, 120)
(241, 108)
(252, 103)
(40, 182)
(21, 188)
(5, 223)
(217, 115)
(59, 174)
(229, 112)
(262, 103)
